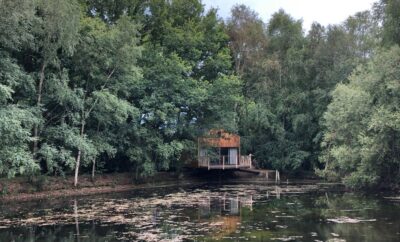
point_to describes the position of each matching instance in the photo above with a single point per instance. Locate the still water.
(250, 212)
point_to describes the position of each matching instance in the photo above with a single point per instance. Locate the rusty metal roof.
(220, 138)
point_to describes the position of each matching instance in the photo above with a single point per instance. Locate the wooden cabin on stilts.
(220, 150)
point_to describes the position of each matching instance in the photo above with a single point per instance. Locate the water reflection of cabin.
(221, 150)
(224, 212)
(225, 205)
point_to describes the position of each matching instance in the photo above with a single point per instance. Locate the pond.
(229, 212)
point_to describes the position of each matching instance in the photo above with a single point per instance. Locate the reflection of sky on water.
(206, 213)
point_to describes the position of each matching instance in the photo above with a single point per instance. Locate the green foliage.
(16, 120)
(248, 38)
(58, 160)
(128, 86)
(362, 123)
(388, 12)
(16, 18)
(169, 152)
(288, 86)
(186, 66)
(224, 98)
(57, 29)
(15, 127)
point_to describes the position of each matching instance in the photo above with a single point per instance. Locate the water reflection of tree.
(76, 216)
(357, 206)
(65, 232)
(335, 204)
(196, 213)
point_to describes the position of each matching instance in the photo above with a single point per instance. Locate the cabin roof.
(220, 138)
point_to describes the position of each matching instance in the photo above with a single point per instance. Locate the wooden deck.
(243, 163)
(224, 167)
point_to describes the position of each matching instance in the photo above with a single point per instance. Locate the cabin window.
(203, 152)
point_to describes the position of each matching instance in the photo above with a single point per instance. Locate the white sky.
(322, 11)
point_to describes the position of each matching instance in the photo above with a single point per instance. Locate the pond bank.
(46, 187)
(42, 187)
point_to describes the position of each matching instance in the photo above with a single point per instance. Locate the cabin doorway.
(233, 156)
(229, 155)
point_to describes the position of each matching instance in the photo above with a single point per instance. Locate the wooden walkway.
(265, 173)
(243, 163)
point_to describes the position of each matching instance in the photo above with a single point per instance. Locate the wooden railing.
(204, 161)
(245, 160)
(224, 162)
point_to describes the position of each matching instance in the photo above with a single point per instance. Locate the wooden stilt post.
(277, 176)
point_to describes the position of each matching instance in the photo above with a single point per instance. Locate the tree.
(248, 40)
(101, 86)
(361, 139)
(274, 118)
(111, 10)
(57, 31)
(186, 59)
(16, 18)
(388, 14)
(16, 122)
(17, 118)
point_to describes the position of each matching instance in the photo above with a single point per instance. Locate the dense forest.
(90, 86)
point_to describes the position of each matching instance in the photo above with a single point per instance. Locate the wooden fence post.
(237, 161)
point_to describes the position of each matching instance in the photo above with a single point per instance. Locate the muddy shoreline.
(47, 187)
(24, 189)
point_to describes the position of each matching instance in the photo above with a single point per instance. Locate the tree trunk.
(93, 168)
(78, 157)
(78, 162)
(94, 159)
(38, 102)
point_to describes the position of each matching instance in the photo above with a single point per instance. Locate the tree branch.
(101, 89)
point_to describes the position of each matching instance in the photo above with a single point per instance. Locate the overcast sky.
(323, 11)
